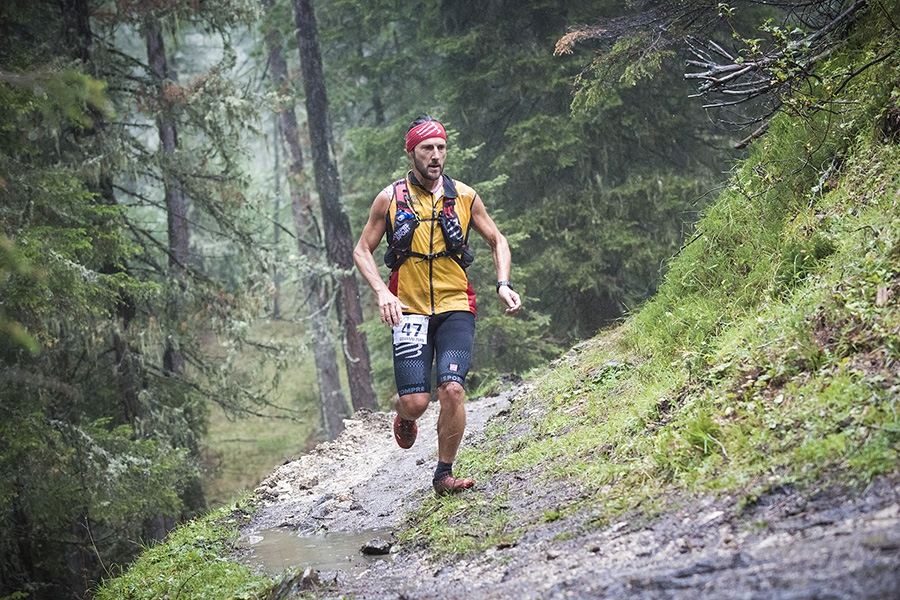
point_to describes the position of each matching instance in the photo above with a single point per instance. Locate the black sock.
(443, 469)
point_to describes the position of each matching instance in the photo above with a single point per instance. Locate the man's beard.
(422, 168)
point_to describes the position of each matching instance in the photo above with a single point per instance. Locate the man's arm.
(486, 228)
(389, 306)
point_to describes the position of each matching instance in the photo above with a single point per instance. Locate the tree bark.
(176, 204)
(82, 556)
(276, 225)
(177, 222)
(334, 404)
(78, 35)
(338, 236)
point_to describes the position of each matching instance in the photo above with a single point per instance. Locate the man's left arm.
(487, 229)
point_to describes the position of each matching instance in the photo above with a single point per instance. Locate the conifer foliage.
(102, 380)
(593, 201)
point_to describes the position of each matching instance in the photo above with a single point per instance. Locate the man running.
(429, 301)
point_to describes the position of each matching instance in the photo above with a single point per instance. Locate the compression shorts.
(451, 337)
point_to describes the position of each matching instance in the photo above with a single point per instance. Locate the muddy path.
(827, 543)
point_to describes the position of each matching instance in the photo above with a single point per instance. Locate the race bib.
(413, 330)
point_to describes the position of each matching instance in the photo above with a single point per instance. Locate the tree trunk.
(276, 224)
(334, 404)
(78, 36)
(176, 204)
(177, 220)
(338, 237)
(25, 558)
(78, 30)
(82, 556)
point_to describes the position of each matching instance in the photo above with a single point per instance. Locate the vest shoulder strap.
(401, 193)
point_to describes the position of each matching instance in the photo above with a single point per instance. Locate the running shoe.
(405, 432)
(448, 484)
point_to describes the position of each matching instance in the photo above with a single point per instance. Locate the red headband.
(423, 131)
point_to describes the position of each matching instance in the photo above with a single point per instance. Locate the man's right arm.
(389, 306)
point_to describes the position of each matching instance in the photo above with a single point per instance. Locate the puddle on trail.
(274, 550)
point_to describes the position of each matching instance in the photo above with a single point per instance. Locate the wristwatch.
(500, 284)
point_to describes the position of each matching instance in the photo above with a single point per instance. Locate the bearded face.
(428, 158)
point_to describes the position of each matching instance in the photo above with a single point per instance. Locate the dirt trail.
(362, 480)
(789, 546)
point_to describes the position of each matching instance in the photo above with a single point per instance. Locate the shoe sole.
(403, 443)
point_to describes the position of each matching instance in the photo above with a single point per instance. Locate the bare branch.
(749, 79)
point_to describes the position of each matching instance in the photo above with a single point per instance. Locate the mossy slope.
(769, 356)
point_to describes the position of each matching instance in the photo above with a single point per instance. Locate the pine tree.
(334, 404)
(338, 237)
(99, 429)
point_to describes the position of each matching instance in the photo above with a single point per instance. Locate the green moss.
(192, 563)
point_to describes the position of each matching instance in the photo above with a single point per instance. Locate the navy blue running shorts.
(451, 338)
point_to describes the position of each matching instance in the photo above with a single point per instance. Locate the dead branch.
(748, 79)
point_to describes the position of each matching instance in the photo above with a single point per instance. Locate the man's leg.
(409, 407)
(412, 370)
(412, 406)
(451, 423)
(453, 347)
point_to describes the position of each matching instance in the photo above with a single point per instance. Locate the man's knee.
(451, 391)
(412, 405)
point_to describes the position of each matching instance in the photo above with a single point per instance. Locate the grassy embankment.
(769, 356)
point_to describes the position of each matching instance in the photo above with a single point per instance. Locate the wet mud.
(789, 545)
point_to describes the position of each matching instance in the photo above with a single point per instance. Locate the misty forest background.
(182, 183)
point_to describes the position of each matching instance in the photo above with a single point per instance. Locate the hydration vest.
(400, 231)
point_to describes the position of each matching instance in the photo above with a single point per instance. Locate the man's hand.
(508, 295)
(390, 308)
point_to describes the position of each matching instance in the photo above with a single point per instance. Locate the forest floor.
(830, 543)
